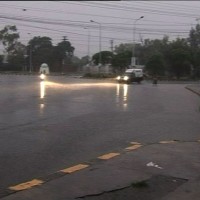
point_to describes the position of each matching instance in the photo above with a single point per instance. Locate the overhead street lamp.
(100, 59)
(133, 49)
(88, 43)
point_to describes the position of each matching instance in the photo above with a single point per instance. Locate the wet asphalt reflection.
(46, 126)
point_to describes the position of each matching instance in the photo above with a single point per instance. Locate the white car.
(131, 75)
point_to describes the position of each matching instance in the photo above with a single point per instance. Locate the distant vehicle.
(131, 75)
(44, 70)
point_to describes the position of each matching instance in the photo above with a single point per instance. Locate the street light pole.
(133, 49)
(100, 59)
(30, 57)
(88, 43)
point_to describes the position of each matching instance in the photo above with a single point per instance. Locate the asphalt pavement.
(167, 170)
(162, 170)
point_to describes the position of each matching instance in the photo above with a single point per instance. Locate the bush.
(100, 75)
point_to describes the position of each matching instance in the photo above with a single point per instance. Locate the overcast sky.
(56, 19)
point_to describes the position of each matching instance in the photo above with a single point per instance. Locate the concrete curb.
(194, 88)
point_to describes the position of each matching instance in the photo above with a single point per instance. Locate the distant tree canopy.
(106, 57)
(58, 57)
(41, 50)
(122, 60)
(9, 37)
(180, 57)
(155, 64)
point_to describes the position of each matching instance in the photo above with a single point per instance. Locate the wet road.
(45, 127)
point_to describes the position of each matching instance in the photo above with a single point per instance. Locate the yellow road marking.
(167, 142)
(108, 156)
(135, 143)
(74, 168)
(136, 146)
(26, 185)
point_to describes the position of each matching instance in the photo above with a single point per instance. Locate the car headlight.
(118, 78)
(126, 78)
(42, 76)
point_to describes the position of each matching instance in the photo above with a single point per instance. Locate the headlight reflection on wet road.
(121, 90)
(71, 86)
(124, 89)
(79, 85)
(42, 89)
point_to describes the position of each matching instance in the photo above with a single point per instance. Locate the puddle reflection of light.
(124, 92)
(42, 108)
(41, 105)
(42, 89)
(117, 93)
(125, 96)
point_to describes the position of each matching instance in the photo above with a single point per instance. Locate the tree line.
(162, 57)
(39, 50)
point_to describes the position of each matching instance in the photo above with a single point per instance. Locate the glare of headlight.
(42, 76)
(126, 78)
(118, 78)
(42, 89)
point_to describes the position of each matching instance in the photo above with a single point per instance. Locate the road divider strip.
(74, 168)
(135, 143)
(26, 185)
(133, 147)
(108, 156)
(168, 142)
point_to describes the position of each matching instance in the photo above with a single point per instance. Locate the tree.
(106, 57)
(17, 59)
(14, 49)
(41, 49)
(194, 37)
(123, 47)
(155, 64)
(84, 60)
(180, 64)
(9, 37)
(121, 61)
(63, 54)
(180, 58)
(1, 62)
(194, 41)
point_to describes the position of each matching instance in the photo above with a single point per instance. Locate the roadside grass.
(139, 184)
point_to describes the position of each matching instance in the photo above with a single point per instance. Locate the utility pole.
(100, 58)
(63, 61)
(64, 38)
(30, 57)
(133, 59)
(88, 53)
(111, 45)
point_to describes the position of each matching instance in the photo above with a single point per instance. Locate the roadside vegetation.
(177, 59)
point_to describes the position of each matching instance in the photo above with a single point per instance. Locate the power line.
(130, 9)
(105, 27)
(104, 16)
